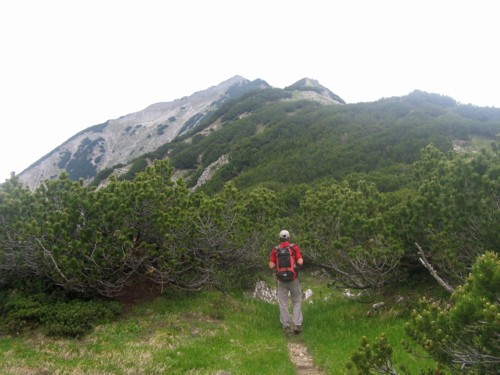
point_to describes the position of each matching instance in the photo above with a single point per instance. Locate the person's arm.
(298, 256)
(272, 259)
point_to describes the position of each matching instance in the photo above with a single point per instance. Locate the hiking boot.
(288, 330)
(297, 329)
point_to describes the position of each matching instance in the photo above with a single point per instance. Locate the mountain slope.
(277, 143)
(253, 134)
(120, 140)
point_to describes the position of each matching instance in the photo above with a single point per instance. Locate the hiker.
(286, 258)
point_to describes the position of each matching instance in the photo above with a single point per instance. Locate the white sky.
(66, 65)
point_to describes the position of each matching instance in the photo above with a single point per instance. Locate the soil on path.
(301, 358)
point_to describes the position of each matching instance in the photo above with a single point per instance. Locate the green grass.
(207, 333)
(201, 333)
(334, 325)
(333, 331)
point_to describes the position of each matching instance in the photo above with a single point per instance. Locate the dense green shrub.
(463, 333)
(454, 212)
(102, 176)
(138, 165)
(92, 241)
(375, 358)
(76, 318)
(19, 311)
(54, 312)
(345, 230)
(460, 333)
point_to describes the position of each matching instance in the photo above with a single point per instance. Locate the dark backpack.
(286, 269)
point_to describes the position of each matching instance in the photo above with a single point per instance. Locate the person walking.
(288, 282)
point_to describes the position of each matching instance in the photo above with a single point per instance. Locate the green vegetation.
(210, 331)
(360, 187)
(81, 165)
(268, 140)
(465, 331)
(161, 129)
(267, 135)
(55, 313)
(138, 165)
(177, 334)
(93, 241)
(335, 327)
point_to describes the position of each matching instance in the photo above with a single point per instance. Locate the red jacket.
(295, 248)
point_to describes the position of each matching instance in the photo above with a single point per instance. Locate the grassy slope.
(206, 333)
(174, 334)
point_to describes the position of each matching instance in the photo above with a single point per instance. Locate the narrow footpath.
(302, 359)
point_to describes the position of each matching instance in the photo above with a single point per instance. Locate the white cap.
(284, 235)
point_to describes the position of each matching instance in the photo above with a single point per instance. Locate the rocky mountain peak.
(312, 89)
(120, 140)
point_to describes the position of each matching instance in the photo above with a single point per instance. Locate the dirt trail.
(301, 358)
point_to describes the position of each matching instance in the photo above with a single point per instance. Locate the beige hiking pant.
(291, 288)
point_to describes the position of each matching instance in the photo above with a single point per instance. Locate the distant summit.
(308, 85)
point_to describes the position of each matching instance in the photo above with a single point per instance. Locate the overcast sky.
(66, 65)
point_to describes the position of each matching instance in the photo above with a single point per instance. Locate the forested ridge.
(362, 187)
(270, 138)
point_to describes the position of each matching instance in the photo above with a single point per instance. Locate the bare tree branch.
(432, 271)
(48, 254)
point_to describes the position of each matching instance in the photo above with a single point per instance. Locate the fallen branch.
(432, 271)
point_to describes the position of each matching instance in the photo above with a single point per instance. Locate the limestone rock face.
(121, 140)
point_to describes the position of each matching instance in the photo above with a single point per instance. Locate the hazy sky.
(66, 65)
